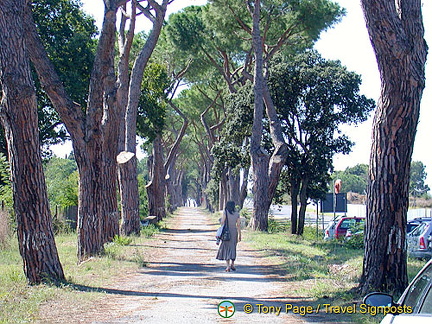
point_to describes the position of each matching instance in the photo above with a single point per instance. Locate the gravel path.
(184, 283)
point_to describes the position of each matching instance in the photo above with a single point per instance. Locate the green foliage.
(356, 241)
(214, 41)
(231, 150)
(122, 240)
(68, 36)
(152, 104)
(186, 30)
(188, 40)
(245, 213)
(313, 96)
(354, 179)
(6, 196)
(418, 176)
(212, 191)
(150, 230)
(351, 182)
(67, 33)
(275, 226)
(305, 20)
(62, 182)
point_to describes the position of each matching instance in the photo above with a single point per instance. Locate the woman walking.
(228, 249)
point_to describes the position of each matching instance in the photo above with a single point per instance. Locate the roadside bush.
(122, 240)
(275, 226)
(246, 214)
(356, 241)
(150, 230)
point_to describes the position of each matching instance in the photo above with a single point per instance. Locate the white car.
(415, 304)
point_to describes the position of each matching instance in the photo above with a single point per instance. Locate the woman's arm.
(238, 224)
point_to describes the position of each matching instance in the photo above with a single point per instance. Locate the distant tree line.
(355, 179)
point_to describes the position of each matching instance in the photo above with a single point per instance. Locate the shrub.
(150, 230)
(122, 240)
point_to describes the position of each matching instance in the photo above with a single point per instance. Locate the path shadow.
(274, 299)
(175, 248)
(209, 271)
(186, 231)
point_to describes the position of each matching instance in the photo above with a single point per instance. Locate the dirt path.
(184, 283)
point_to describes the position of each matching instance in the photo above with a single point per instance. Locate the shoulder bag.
(225, 236)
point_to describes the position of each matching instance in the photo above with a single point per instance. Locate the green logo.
(226, 309)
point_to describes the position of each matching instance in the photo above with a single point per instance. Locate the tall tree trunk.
(156, 187)
(223, 190)
(244, 187)
(171, 190)
(169, 165)
(179, 198)
(266, 168)
(396, 32)
(90, 133)
(18, 113)
(233, 186)
(303, 206)
(128, 177)
(205, 179)
(259, 157)
(173, 187)
(95, 153)
(294, 192)
(128, 185)
(199, 198)
(130, 220)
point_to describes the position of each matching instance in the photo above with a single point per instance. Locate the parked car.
(413, 223)
(415, 304)
(419, 241)
(329, 230)
(338, 228)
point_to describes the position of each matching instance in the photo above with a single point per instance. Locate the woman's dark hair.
(230, 206)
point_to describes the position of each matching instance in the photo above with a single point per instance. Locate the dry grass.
(4, 229)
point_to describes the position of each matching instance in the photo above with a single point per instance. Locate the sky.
(348, 42)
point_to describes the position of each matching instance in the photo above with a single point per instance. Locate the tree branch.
(175, 147)
(70, 112)
(242, 24)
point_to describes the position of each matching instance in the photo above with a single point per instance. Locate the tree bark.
(18, 113)
(128, 174)
(93, 133)
(129, 200)
(174, 188)
(303, 206)
(233, 186)
(259, 156)
(243, 188)
(156, 187)
(223, 190)
(130, 219)
(295, 189)
(266, 168)
(396, 32)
